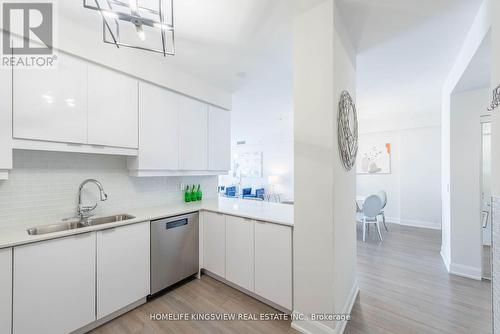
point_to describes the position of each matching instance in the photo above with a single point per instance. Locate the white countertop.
(264, 211)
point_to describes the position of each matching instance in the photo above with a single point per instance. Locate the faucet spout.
(83, 211)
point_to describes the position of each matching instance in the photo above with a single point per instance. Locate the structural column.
(325, 229)
(495, 164)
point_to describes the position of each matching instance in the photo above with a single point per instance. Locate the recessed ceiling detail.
(141, 24)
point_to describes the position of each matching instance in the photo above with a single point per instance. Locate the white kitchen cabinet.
(112, 108)
(193, 135)
(51, 104)
(5, 290)
(219, 139)
(214, 243)
(273, 263)
(122, 267)
(158, 130)
(240, 251)
(5, 123)
(54, 285)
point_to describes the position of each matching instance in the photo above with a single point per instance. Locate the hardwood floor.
(487, 262)
(197, 296)
(405, 288)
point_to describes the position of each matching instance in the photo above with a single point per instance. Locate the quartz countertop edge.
(280, 214)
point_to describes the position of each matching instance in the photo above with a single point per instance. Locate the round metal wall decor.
(347, 131)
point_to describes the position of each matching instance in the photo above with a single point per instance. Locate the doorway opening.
(486, 197)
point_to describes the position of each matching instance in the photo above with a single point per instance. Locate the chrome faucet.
(84, 211)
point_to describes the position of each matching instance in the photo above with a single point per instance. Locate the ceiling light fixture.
(152, 21)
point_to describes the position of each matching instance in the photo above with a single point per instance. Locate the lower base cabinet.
(254, 255)
(122, 267)
(5, 290)
(54, 285)
(273, 263)
(62, 285)
(240, 252)
(214, 243)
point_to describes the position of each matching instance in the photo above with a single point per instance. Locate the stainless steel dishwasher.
(174, 250)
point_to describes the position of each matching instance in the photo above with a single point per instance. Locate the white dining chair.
(371, 211)
(358, 209)
(383, 196)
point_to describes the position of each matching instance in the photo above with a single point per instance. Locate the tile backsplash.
(43, 187)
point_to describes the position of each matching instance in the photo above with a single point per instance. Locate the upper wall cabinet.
(193, 135)
(75, 107)
(180, 136)
(158, 130)
(51, 104)
(219, 139)
(5, 123)
(86, 108)
(112, 108)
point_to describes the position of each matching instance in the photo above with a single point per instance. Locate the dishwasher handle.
(176, 223)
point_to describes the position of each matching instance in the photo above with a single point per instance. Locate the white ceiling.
(405, 47)
(405, 51)
(221, 41)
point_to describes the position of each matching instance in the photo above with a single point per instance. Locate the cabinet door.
(159, 129)
(219, 139)
(273, 263)
(240, 252)
(5, 290)
(113, 110)
(214, 243)
(122, 267)
(193, 129)
(5, 120)
(51, 104)
(54, 285)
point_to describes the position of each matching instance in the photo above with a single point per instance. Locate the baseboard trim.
(446, 260)
(348, 306)
(414, 223)
(466, 271)
(108, 318)
(310, 326)
(247, 292)
(315, 327)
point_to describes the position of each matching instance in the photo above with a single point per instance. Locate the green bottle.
(193, 194)
(199, 194)
(187, 195)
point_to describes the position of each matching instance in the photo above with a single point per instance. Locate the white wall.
(413, 187)
(465, 181)
(277, 161)
(43, 187)
(421, 177)
(371, 184)
(495, 167)
(345, 252)
(325, 229)
(495, 119)
(472, 43)
(262, 117)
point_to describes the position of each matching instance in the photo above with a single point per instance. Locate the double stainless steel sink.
(72, 225)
